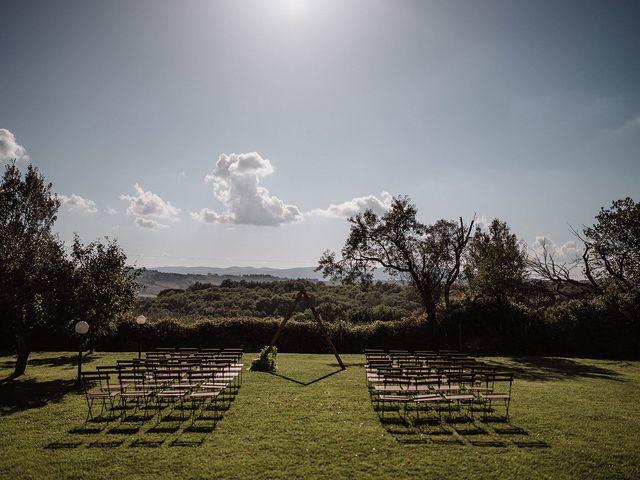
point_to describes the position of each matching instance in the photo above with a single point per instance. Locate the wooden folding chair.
(169, 390)
(461, 394)
(97, 388)
(208, 389)
(135, 385)
(395, 389)
(501, 385)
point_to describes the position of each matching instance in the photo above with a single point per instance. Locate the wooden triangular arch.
(303, 294)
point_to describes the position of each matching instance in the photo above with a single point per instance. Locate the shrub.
(266, 361)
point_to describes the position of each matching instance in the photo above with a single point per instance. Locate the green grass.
(570, 419)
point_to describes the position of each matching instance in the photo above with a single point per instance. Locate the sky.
(239, 132)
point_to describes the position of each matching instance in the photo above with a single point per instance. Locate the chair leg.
(102, 407)
(112, 409)
(89, 412)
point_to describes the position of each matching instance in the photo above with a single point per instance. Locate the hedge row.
(253, 333)
(597, 328)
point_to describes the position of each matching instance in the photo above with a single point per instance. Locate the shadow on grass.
(347, 364)
(488, 443)
(473, 430)
(69, 360)
(86, 430)
(143, 442)
(123, 430)
(465, 431)
(531, 444)
(555, 368)
(182, 442)
(105, 444)
(62, 360)
(446, 441)
(413, 441)
(306, 384)
(63, 445)
(194, 428)
(18, 395)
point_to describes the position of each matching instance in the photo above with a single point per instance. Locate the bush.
(250, 333)
(266, 361)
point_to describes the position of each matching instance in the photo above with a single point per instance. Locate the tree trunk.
(501, 309)
(92, 340)
(447, 300)
(23, 351)
(434, 340)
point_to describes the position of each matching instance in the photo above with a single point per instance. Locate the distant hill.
(294, 273)
(154, 281)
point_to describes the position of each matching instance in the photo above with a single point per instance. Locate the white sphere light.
(82, 327)
(141, 319)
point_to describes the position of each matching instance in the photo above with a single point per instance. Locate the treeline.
(593, 328)
(153, 282)
(350, 303)
(536, 321)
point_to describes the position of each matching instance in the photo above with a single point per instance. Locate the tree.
(105, 286)
(496, 265)
(427, 256)
(612, 247)
(495, 269)
(32, 260)
(610, 260)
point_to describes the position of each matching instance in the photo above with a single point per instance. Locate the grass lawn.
(570, 418)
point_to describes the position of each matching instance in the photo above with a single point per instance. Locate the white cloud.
(111, 211)
(356, 205)
(206, 215)
(182, 174)
(482, 222)
(149, 209)
(149, 223)
(236, 184)
(10, 148)
(567, 252)
(76, 202)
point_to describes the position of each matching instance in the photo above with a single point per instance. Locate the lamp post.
(81, 329)
(140, 320)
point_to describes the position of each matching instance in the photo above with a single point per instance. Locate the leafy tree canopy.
(32, 260)
(105, 285)
(427, 256)
(41, 289)
(496, 265)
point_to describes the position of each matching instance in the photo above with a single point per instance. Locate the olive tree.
(105, 286)
(496, 263)
(43, 289)
(610, 258)
(426, 256)
(33, 268)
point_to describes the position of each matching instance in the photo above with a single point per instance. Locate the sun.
(294, 8)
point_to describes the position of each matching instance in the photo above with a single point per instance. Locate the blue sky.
(146, 115)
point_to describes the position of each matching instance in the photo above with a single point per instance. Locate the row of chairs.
(437, 381)
(164, 378)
